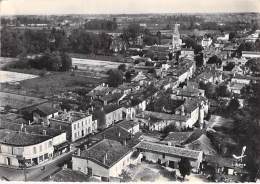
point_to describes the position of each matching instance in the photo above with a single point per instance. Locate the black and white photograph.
(130, 91)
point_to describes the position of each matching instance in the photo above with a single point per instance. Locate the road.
(36, 173)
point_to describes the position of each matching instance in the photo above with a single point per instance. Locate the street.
(35, 173)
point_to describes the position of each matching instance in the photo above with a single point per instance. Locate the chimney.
(119, 133)
(22, 127)
(29, 122)
(124, 142)
(44, 132)
(86, 146)
(105, 158)
(182, 110)
(78, 152)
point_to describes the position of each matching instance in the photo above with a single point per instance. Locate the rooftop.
(161, 116)
(170, 150)
(202, 144)
(106, 152)
(15, 138)
(177, 137)
(127, 124)
(70, 117)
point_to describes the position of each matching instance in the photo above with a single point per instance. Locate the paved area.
(35, 173)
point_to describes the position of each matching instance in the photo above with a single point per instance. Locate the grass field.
(54, 83)
(18, 101)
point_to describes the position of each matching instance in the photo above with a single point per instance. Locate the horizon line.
(48, 14)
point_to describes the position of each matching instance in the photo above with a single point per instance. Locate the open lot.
(6, 76)
(54, 83)
(18, 101)
(151, 173)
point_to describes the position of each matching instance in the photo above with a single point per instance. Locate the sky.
(11, 7)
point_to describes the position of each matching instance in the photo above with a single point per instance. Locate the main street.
(36, 173)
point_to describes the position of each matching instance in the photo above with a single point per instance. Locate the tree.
(66, 62)
(122, 67)
(222, 91)
(233, 105)
(184, 167)
(199, 60)
(214, 60)
(115, 78)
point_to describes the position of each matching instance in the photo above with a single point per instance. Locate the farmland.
(94, 65)
(54, 83)
(18, 101)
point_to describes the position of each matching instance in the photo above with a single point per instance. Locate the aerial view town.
(140, 96)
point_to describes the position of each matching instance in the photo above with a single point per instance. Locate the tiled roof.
(46, 109)
(177, 137)
(169, 150)
(127, 124)
(112, 151)
(202, 144)
(10, 137)
(111, 108)
(162, 116)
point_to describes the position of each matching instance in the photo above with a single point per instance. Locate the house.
(250, 54)
(212, 76)
(240, 79)
(19, 146)
(108, 115)
(206, 42)
(168, 155)
(105, 159)
(176, 138)
(187, 92)
(43, 113)
(77, 124)
(157, 121)
(203, 144)
(129, 125)
(223, 165)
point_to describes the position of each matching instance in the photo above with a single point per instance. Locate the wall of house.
(194, 117)
(81, 164)
(59, 139)
(114, 116)
(117, 169)
(82, 128)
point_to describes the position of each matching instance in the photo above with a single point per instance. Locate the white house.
(77, 124)
(105, 159)
(18, 146)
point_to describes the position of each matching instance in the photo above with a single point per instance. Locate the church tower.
(176, 41)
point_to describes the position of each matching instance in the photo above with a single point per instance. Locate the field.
(54, 83)
(18, 101)
(94, 65)
(6, 60)
(7, 76)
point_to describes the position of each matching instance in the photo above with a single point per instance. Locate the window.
(34, 150)
(75, 126)
(75, 135)
(78, 124)
(82, 123)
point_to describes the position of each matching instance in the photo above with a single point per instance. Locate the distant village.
(169, 112)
